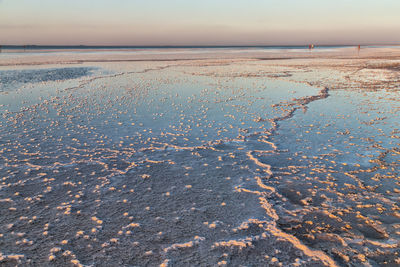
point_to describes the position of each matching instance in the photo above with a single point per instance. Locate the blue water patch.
(9, 79)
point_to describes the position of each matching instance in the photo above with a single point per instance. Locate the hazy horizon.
(28, 46)
(206, 23)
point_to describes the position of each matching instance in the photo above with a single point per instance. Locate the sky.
(199, 22)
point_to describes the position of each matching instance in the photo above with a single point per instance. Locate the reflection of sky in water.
(196, 110)
(348, 124)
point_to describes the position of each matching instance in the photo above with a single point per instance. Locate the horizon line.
(194, 46)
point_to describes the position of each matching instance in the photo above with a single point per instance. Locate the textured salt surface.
(197, 163)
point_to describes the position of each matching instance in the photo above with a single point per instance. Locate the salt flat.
(193, 157)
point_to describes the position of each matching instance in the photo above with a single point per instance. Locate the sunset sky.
(194, 22)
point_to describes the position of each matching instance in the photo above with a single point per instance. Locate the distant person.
(0, 48)
(358, 49)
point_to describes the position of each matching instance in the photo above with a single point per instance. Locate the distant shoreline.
(84, 47)
(62, 55)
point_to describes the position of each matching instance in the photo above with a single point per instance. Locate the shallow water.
(182, 164)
